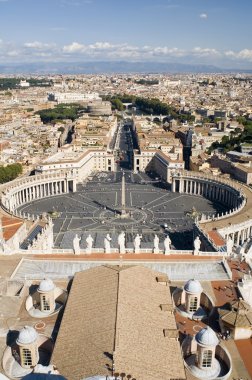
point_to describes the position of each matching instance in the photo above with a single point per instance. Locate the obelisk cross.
(123, 194)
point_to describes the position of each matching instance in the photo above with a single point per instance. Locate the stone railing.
(33, 179)
(224, 215)
(148, 251)
(239, 226)
(209, 177)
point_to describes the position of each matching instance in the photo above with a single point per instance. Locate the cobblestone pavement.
(95, 209)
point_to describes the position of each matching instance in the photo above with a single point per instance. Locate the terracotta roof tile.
(113, 316)
(10, 226)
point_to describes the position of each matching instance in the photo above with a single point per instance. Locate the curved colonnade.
(27, 189)
(235, 223)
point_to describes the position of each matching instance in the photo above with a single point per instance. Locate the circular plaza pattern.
(113, 218)
(95, 208)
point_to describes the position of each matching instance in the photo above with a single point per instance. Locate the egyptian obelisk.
(123, 211)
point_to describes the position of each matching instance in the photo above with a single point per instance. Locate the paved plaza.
(95, 209)
(176, 271)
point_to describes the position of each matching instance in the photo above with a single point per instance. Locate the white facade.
(245, 288)
(142, 160)
(81, 164)
(24, 83)
(71, 97)
(156, 160)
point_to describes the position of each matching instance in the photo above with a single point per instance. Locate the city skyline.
(192, 32)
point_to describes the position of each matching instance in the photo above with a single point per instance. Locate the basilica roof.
(114, 317)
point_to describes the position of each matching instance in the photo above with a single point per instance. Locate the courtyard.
(95, 209)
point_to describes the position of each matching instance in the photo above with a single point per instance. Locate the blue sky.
(188, 31)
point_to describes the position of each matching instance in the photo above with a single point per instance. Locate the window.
(207, 359)
(46, 305)
(193, 304)
(26, 357)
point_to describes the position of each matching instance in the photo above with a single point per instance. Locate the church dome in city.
(193, 286)
(46, 285)
(207, 337)
(27, 335)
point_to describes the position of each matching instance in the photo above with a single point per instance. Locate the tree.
(117, 104)
(10, 172)
(60, 112)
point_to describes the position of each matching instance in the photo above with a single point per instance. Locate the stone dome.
(27, 335)
(193, 286)
(207, 337)
(46, 285)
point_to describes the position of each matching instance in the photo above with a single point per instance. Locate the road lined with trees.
(149, 106)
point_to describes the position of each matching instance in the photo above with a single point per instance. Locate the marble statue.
(121, 242)
(44, 244)
(167, 245)
(137, 243)
(107, 241)
(89, 241)
(16, 242)
(4, 248)
(230, 245)
(1, 229)
(197, 244)
(156, 244)
(76, 244)
(50, 222)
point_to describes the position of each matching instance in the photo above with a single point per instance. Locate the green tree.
(117, 104)
(10, 172)
(60, 112)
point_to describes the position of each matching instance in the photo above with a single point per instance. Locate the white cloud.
(105, 50)
(75, 47)
(205, 52)
(164, 50)
(43, 54)
(38, 45)
(203, 15)
(121, 50)
(245, 54)
(13, 53)
(101, 46)
(75, 2)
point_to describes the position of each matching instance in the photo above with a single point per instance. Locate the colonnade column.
(186, 182)
(74, 186)
(181, 182)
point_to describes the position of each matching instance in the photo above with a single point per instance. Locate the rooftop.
(120, 322)
(237, 313)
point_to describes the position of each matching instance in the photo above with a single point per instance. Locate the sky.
(213, 32)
